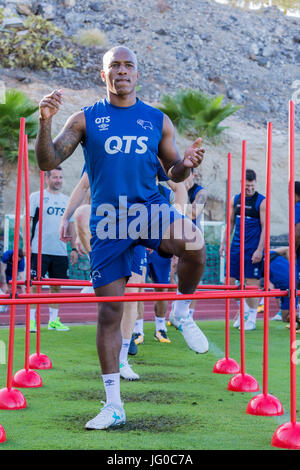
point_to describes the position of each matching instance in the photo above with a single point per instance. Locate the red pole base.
(27, 379)
(287, 436)
(226, 366)
(39, 361)
(243, 383)
(12, 399)
(265, 405)
(2, 434)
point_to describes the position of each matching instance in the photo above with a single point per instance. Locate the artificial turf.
(179, 403)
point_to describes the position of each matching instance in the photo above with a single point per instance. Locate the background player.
(54, 252)
(254, 243)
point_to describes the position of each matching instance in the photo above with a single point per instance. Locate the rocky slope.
(250, 57)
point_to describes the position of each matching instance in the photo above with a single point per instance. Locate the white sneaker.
(127, 373)
(250, 325)
(87, 290)
(237, 322)
(195, 339)
(277, 317)
(110, 416)
(173, 320)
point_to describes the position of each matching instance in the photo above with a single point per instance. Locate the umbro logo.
(103, 123)
(145, 124)
(109, 382)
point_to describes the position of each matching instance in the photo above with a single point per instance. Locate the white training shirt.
(54, 206)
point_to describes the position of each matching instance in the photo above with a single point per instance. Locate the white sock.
(32, 313)
(124, 351)
(112, 388)
(262, 301)
(246, 307)
(191, 312)
(160, 323)
(53, 313)
(252, 314)
(139, 326)
(181, 307)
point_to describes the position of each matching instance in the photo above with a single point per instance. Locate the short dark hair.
(250, 175)
(20, 253)
(49, 171)
(297, 188)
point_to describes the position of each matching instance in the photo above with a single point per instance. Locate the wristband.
(74, 249)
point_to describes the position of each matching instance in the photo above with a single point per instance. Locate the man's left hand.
(194, 154)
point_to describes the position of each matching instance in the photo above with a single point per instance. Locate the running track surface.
(212, 309)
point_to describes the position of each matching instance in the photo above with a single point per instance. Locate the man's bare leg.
(184, 240)
(127, 326)
(109, 341)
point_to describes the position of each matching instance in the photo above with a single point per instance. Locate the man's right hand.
(64, 231)
(50, 104)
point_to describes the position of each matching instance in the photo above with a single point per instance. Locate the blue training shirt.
(252, 221)
(7, 258)
(120, 151)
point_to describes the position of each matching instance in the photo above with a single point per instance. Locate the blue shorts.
(158, 268)
(251, 271)
(112, 258)
(139, 259)
(280, 277)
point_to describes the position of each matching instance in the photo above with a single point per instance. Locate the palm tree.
(16, 105)
(195, 113)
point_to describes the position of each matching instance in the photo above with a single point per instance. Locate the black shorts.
(56, 266)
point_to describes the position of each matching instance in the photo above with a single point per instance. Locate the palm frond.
(195, 113)
(16, 105)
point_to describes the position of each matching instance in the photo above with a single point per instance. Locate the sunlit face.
(250, 188)
(120, 71)
(55, 180)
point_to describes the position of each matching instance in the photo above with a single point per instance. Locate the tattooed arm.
(50, 154)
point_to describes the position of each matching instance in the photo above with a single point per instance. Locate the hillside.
(252, 58)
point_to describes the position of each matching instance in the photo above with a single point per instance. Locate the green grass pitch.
(178, 404)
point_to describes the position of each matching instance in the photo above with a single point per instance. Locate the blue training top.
(252, 221)
(7, 258)
(120, 151)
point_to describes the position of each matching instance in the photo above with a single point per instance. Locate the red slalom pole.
(79, 283)
(266, 404)
(38, 360)
(141, 296)
(242, 382)
(287, 436)
(227, 365)
(26, 377)
(2, 435)
(13, 399)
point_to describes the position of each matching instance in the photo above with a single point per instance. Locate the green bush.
(32, 47)
(16, 105)
(91, 37)
(196, 114)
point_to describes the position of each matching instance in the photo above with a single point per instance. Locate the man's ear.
(102, 75)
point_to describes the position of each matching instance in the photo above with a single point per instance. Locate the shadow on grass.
(153, 424)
